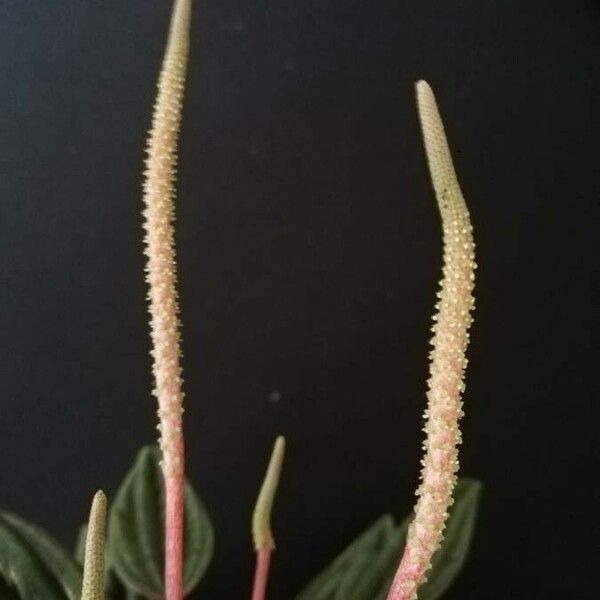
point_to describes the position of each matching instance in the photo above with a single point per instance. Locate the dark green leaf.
(33, 565)
(136, 525)
(376, 578)
(114, 587)
(79, 554)
(352, 575)
(7, 592)
(198, 540)
(451, 557)
(364, 571)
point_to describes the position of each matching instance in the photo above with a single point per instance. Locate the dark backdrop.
(309, 248)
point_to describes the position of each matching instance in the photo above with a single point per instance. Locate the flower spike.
(264, 542)
(159, 194)
(448, 362)
(93, 566)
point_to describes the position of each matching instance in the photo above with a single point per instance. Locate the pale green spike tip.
(422, 85)
(261, 519)
(93, 569)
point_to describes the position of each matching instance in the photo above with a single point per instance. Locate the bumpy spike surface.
(448, 362)
(93, 569)
(159, 193)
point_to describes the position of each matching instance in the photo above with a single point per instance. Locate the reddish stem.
(174, 507)
(261, 574)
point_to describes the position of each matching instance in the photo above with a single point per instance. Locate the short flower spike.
(261, 519)
(262, 533)
(93, 569)
(448, 362)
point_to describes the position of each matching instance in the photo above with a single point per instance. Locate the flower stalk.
(93, 566)
(264, 542)
(448, 362)
(159, 194)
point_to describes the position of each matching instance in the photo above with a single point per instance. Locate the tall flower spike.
(448, 362)
(264, 543)
(93, 566)
(159, 194)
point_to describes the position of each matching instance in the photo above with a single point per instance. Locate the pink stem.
(407, 572)
(261, 575)
(174, 512)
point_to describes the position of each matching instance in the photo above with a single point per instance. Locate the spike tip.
(448, 362)
(93, 566)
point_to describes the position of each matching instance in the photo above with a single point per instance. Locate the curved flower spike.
(448, 362)
(159, 193)
(93, 566)
(262, 533)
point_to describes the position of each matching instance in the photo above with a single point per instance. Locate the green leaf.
(451, 557)
(115, 589)
(33, 565)
(365, 570)
(79, 553)
(376, 578)
(362, 568)
(136, 525)
(7, 592)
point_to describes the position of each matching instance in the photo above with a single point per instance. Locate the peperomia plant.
(158, 542)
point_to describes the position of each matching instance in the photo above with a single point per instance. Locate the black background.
(309, 248)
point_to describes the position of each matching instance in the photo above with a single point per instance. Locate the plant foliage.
(365, 569)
